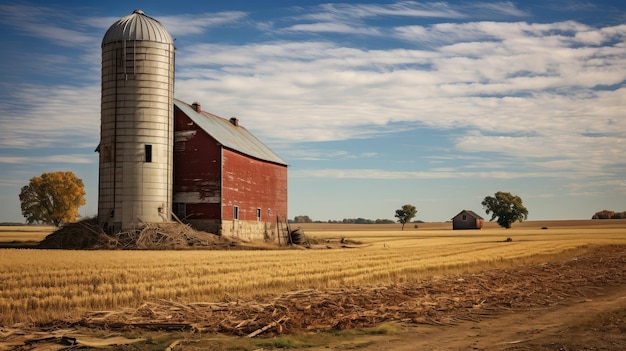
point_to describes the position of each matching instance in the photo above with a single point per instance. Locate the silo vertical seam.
(124, 60)
(170, 133)
(134, 58)
(115, 136)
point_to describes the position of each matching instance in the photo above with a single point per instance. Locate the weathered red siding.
(251, 184)
(211, 179)
(197, 165)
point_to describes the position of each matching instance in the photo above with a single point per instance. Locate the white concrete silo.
(137, 123)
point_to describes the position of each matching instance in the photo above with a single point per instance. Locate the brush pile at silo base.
(86, 234)
(445, 300)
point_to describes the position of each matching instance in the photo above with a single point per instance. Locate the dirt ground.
(575, 304)
(597, 322)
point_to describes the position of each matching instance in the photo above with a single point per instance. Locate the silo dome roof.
(137, 26)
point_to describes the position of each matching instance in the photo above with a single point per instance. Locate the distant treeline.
(10, 224)
(606, 214)
(307, 219)
(361, 221)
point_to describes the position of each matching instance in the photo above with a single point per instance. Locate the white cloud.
(520, 33)
(431, 174)
(310, 154)
(495, 9)
(597, 188)
(331, 27)
(42, 116)
(69, 159)
(352, 18)
(60, 27)
(198, 23)
(411, 9)
(535, 86)
(440, 87)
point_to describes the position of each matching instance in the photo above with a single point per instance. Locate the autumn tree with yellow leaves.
(52, 198)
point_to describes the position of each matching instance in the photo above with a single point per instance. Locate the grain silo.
(136, 137)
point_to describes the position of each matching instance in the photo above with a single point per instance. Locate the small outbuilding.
(467, 220)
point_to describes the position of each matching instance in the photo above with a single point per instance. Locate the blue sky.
(373, 104)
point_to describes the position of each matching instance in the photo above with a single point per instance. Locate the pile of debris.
(87, 234)
(167, 236)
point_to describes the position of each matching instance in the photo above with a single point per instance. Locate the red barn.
(226, 181)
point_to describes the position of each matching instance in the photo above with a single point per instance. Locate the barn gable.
(229, 133)
(226, 181)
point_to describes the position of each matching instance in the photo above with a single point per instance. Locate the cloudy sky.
(373, 104)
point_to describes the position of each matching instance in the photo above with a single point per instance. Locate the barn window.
(465, 217)
(269, 213)
(258, 214)
(148, 153)
(235, 212)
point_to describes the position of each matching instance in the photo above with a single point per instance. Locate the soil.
(597, 322)
(575, 304)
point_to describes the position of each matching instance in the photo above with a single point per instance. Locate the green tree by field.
(52, 198)
(507, 208)
(405, 214)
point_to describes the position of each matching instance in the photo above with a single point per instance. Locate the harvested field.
(24, 234)
(440, 301)
(431, 277)
(445, 304)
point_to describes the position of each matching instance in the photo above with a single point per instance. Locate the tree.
(405, 214)
(52, 198)
(604, 214)
(619, 215)
(608, 214)
(506, 207)
(302, 219)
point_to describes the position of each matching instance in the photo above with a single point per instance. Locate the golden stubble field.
(48, 285)
(24, 233)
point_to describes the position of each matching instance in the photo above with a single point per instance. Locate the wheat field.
(24, 233)
(46, 285)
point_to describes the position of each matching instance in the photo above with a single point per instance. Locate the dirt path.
(594, 323)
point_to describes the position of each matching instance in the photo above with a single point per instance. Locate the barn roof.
(229, 135)
(471, 213)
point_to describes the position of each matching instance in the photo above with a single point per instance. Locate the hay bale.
(297, 236)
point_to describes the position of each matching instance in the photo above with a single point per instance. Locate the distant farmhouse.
(467, 220)
(161, 157)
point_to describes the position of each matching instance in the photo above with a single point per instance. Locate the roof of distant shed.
(137, 26)
(471, 213)
(233, 137)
